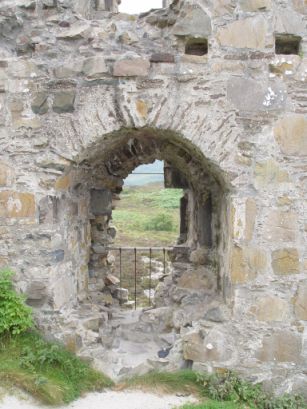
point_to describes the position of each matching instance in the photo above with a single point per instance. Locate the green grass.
(216, 391)
(210, 404)
(46, 370)
(138, 216)
(184, 381)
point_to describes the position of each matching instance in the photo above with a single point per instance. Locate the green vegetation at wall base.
(46, 370)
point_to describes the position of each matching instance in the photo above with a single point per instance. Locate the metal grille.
(131, 272)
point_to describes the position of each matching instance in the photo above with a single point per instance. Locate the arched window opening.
(190, 238)
(195, 279)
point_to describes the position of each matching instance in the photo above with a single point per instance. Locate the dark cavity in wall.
(197, 46)
(287, 44)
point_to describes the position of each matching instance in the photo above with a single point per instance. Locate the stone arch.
(98, 173)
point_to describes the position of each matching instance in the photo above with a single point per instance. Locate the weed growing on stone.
(226, 391)
(45, 370)
(15, 316)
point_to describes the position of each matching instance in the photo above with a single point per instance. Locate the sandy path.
(106, 400)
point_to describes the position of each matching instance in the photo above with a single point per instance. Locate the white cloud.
(139, 6)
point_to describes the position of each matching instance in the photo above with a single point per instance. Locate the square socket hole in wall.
(287, 44)
(196, 46)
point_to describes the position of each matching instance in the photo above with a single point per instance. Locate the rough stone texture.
(131, 67)
(247, 33)
(255, 5)
(268, 174)
(285, 261)
(282, 226)
(17, 205)
(281, 346)
(95, 67)
(246, 263)
(64, 101)
(5, 175)
(87, 95)
(300, 303)
(196, 23)
(250, 95)
(291, 135)
(270, 309)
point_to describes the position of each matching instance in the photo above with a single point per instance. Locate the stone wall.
(78, 82)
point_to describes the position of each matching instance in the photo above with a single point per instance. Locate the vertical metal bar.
(135, 278)
(164, 261)
(150, 257)
(120, 269)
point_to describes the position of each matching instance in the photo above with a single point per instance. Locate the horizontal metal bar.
(144, 173)
(140, 248)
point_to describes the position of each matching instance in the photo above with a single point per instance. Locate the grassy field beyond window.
(147, 215)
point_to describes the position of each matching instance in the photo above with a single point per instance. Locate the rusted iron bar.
(135, 277)
(150, 257)
(140, 248)
(120, 268)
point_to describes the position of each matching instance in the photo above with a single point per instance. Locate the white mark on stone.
(209, 346)
(14, 204)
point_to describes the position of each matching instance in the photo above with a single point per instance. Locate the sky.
(134, 179)
(138, 6)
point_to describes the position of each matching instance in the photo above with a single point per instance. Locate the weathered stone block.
(288, 22)
(73, 342)
(95, 67)
(24, 69)
(64, 101)
(255, 5)
(48, 209)
(111, 280)
(291, 135)
(101, 202)
(142, 108)
(250, 218)
(17, 205)
(5, 175)
(247, 33)
(162, 58)
(252, 96)
(69, 69)
(300, 302)
(36, 293)
(134, 67)
(281, 226)
(270, 308)
(268, 174)
(63, 183)
(281, 67)
(281, 346)
(57, 256)
(39, 103)
(76, 31)
(122, 294)
(285, 261)
(196, 23)
(49, 3)
(246, 263)
(222, 7)
(201, 347)
(92, 323)
(300, 6)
